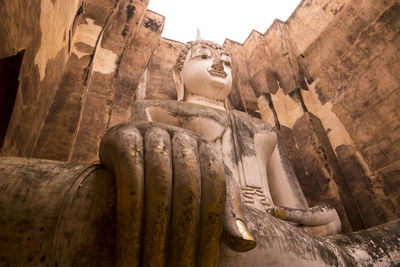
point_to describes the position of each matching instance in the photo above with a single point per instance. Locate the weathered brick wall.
(356, 64)
(350, 59)
(40, 28)
(77, 78)
(159, 83)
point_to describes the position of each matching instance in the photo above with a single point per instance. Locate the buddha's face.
(207, 72)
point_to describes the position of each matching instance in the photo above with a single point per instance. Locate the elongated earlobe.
(226, 103)
(176, 75)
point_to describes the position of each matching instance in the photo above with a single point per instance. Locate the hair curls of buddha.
(182, 54)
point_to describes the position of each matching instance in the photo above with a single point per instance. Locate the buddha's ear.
(180, 90)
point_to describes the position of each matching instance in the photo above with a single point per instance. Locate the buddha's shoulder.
(257, 124)
(142, 109)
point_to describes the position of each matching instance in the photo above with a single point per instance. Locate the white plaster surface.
(86, 33)
(53, 27)
(287, 109)
(337, 134)
(265, 111)
(105, 61)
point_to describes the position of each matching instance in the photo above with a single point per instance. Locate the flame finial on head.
(198, 36)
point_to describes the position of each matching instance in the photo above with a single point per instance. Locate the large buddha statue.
(200, 184)
(183, 183)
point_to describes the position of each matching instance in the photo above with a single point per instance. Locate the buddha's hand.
(170, 195)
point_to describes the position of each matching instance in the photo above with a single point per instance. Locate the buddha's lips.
(217, 73)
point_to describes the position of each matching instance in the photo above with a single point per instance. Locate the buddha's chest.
(245, 145)
(235, 135)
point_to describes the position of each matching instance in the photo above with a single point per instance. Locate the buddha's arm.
(290, 201)
(284, 186)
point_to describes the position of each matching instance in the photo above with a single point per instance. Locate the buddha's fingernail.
(243, 230)
(279, 213)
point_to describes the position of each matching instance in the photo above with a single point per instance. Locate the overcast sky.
(219, 19)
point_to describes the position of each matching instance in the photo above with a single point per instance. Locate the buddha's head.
(203, 73)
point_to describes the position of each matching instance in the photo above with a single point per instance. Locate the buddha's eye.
(204, 56)
(227, 63)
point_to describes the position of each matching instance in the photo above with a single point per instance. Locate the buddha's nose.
(217, 64)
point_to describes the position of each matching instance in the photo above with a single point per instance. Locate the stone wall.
(327, 79)
(82, 65)
(41, 28)
(357, 89)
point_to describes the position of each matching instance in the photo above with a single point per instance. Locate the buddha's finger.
(212, 205)
(185, 201)
(157, 202)
(317, 215)
(237, 235)
(121, 152)
(323, 230)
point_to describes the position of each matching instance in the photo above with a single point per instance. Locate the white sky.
(219, 19)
